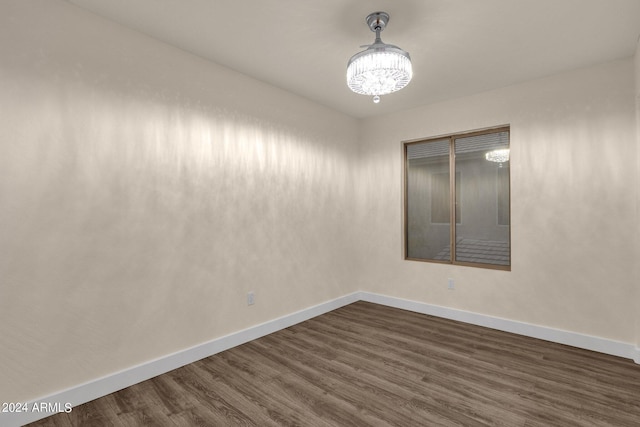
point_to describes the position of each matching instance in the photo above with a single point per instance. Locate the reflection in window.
(427, 211)
(441, 191)
(469, 225)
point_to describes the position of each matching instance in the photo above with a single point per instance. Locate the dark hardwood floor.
(371, 365)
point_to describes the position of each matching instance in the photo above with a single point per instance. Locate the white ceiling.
(458, 47)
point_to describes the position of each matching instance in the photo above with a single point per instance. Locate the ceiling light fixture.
(381, 68)
(499, 156)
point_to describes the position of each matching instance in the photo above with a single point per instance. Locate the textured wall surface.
(144, 192)
(573, 168)
(637, 180)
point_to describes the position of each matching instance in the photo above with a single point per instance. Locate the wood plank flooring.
(371, 365)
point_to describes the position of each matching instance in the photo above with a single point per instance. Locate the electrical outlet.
(450, 284)
(251, 298)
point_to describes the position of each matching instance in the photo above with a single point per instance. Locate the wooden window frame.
(452, 197)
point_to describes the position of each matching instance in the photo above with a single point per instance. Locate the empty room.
(320, 213)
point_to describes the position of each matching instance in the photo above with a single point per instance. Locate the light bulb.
(376, 99)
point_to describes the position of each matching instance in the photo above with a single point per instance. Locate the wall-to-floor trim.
(109, 384)
(587, 342)
(103, 386)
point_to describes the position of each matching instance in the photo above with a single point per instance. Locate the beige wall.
(573, 166)
(637, 180)
(144, 192)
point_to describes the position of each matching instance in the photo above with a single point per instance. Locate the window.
(457, 199)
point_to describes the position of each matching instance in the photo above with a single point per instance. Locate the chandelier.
(381, 68)
(498, 156)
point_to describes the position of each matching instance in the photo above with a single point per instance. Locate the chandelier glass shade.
(498, 156)
(381, 68)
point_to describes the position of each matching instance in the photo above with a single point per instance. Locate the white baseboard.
(101, 387)
(587, 342)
